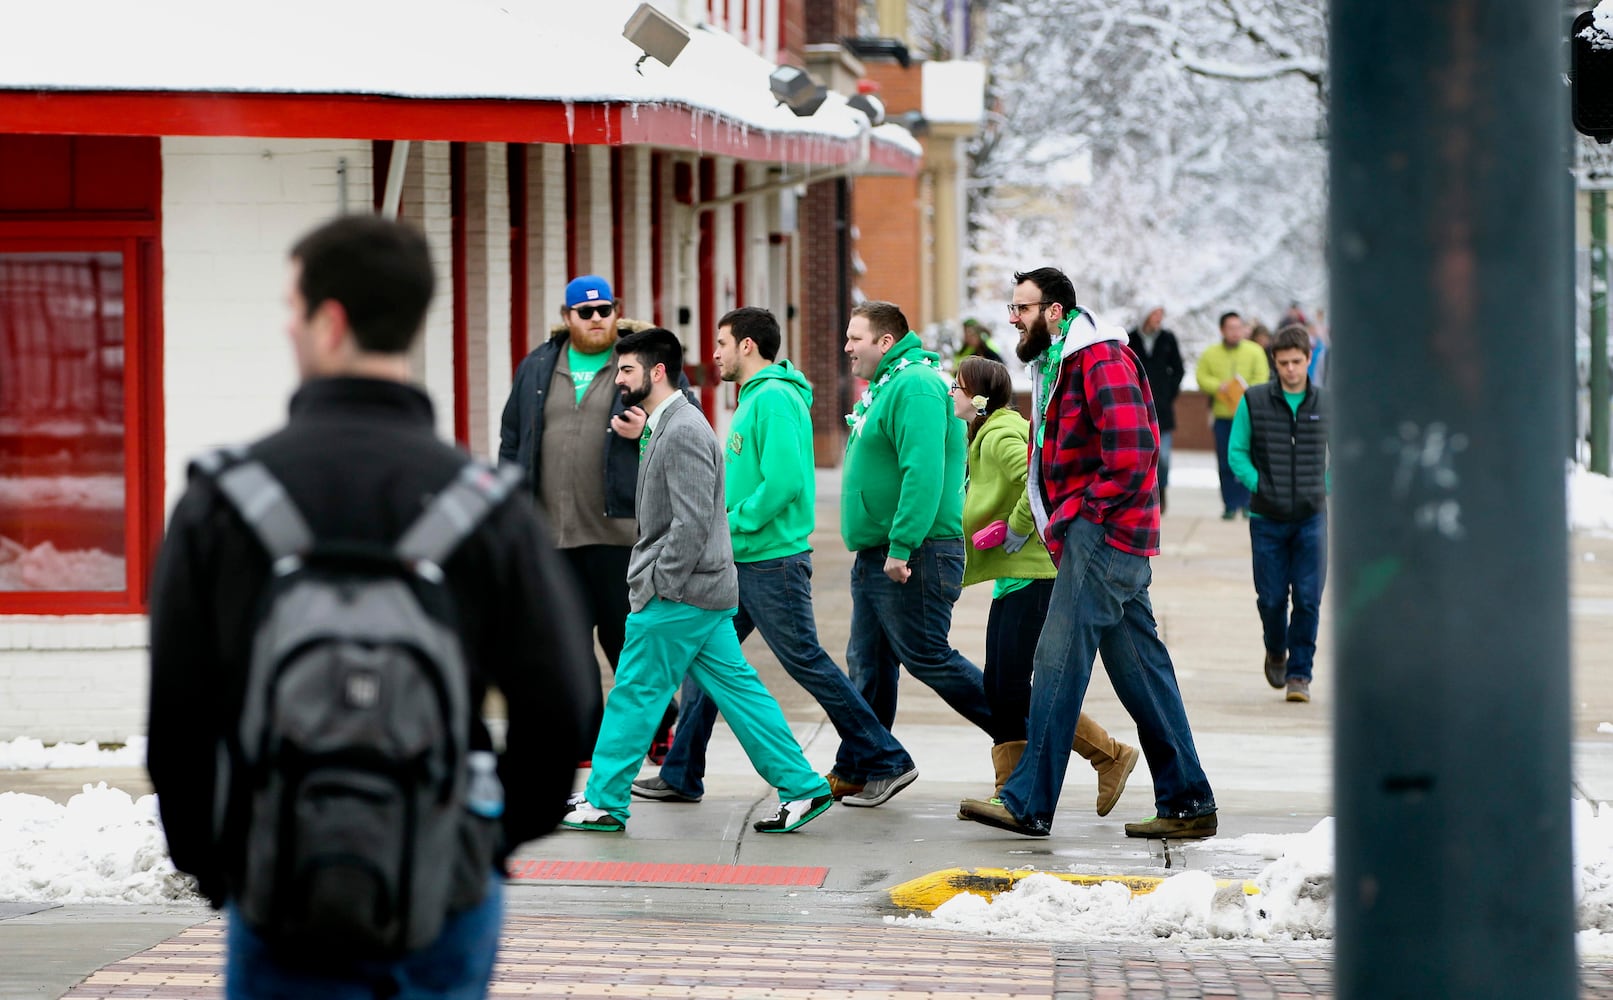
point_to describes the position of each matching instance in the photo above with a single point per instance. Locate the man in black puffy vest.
(1279, 451)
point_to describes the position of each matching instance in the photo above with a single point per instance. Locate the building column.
(545, 238)
(427, 203)
(487, 287)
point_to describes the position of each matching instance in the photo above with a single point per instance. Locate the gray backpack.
(345, 780)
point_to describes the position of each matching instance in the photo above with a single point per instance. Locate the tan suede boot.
(1004, 758)
(1112, 759)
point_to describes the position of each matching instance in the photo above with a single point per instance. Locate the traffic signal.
(1591, 71)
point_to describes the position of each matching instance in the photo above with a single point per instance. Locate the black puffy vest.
(1289, 451)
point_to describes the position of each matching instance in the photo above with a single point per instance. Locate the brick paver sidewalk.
(629, 957)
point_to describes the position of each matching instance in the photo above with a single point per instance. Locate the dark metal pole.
(1451, 585)
(1599, 388)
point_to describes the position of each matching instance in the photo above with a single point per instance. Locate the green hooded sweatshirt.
(768, 466)
(903, 480)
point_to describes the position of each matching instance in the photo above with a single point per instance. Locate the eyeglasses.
(956, 387)
(1017, 309)
(603, 310)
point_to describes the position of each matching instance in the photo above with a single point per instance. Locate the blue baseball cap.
(589, 288)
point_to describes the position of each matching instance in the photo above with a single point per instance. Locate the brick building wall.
(825, 308)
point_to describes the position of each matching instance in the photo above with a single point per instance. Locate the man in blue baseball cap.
(563, 410)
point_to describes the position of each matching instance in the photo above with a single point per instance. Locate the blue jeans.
(456, 966)
(775, 598)
(1234, 495)
(895, 624)
(1165, 456)
(1290, 560)
(1100, 605)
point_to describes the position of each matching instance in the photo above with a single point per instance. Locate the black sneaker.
(794, 815)
(880, 790)
(657, 788)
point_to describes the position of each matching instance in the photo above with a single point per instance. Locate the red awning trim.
(368, 116)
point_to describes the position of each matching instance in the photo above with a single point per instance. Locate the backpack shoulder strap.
(262, 503)
(457, 511)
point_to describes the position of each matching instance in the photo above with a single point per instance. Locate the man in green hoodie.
(769, 470)
(901, 512)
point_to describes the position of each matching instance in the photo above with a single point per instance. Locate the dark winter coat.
(1165, 370)
(360, 459)
(521, 429)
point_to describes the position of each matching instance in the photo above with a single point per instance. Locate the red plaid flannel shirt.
(1100, 455)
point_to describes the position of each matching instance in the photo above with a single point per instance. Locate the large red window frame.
(143, 432)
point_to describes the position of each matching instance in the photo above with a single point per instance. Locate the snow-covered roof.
(954, 91)
(507, 50)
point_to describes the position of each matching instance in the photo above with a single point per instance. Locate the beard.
(1036, 339)
(636, 395)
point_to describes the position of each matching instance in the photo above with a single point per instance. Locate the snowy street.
(1268, 760)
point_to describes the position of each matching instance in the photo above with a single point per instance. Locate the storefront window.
(63, 447)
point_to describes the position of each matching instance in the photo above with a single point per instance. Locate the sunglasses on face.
(602, 310)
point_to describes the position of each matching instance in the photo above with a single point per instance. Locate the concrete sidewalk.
(1269, 761)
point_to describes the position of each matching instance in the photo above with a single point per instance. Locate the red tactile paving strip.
(632, 871)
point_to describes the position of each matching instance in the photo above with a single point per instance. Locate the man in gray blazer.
(683, 591)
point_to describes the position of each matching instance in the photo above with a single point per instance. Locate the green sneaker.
(591, 819)
(794, 815)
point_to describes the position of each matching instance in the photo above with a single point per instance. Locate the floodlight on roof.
(796, 90)
(657, 34)
(870, 106)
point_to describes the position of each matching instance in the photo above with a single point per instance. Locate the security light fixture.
(657, 34)
(796, 90)
(869, 47)
(870, 106)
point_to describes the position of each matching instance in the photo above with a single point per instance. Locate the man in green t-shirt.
(1278, 450)
(566, 424)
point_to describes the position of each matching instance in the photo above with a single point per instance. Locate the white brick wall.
(487, 274)
(428, 203)
(231, 210)
(546, 238)
(634, 287)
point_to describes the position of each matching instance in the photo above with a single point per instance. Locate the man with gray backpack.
(328, 610)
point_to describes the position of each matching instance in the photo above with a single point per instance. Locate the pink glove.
(991, 535)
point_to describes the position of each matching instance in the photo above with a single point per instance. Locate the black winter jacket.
(1289, 451)
(360, 459)
(1165, 370)
(520, 438)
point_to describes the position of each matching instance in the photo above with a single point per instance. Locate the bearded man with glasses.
(566, 424)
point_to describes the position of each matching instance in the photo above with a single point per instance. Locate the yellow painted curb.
(929, 891)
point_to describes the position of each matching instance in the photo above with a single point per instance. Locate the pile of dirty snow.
(27, 754)
(101, 847)
(1295, 900)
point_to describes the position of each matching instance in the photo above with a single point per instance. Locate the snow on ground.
(1295, 899)
(1590, 501)
(101, 847)
(25, 754)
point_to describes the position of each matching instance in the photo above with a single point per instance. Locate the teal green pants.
(664, 642)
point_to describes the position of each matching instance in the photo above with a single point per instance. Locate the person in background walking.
(1008, 551)
(1225, 370)
(1278, 450)
(1162, 363)
(566, 425)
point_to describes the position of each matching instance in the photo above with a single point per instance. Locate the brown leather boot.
(1112, 759)
(1004, 758)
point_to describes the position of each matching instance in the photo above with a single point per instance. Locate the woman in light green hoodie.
(1017, 560)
